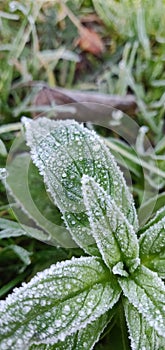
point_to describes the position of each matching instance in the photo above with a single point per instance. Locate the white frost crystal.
(152, 246)
(113, 233)
(146, 292)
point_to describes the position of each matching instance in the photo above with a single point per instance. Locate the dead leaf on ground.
(90, 18)
(90, 41)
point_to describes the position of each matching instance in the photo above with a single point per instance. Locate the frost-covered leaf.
(115, 237)
(10, 229)
(63, 156)
(142, 336)
(14, 229)
(22, 253)
(152, 245)
(160, 214)
(161, 343)
(83, 339)
(146, 292)
(43, 127)
(57, 302)
(26, 186)
(3, 150)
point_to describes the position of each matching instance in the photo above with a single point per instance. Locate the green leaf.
(114, 236)
(43, 127)
(6, 288)
(56, 303)
(146, 292)
(152, 244)
(142, 336)
(152, 205)
(10, 229)
(162, 343)
(160, 214)
(83, 339)
(22, 253)
(26, 186)
(14, 229)
(3, 151)
(63, 156)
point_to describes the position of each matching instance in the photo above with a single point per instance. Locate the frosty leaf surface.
(56, 303)
(152, 246)
(43, 126)
(63, 156)
(46, 347)
(3, 150)
(146, 292)
(10, 229)
(160, 214)
(79, 226)
(83, 339)
(115, 237)
(142, 336)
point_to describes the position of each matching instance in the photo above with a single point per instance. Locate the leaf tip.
(25, 121)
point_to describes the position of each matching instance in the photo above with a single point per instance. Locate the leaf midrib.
(48, 307)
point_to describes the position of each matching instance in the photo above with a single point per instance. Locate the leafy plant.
(69, 305)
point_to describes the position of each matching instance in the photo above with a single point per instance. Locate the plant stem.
(122, 324)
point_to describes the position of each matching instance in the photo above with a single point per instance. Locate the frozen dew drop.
(27, 309)
(58, 323)
(51, 330)
(66, 309)
(64, 175)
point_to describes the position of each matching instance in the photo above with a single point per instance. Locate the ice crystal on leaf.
(152, 245)
(67, 306)
(114, 235)
(142, 336)
(82, 339)
(146, 292)
(57, 302)
(63, 156)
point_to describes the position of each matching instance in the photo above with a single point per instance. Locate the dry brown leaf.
(90, 18)
(90, 41)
